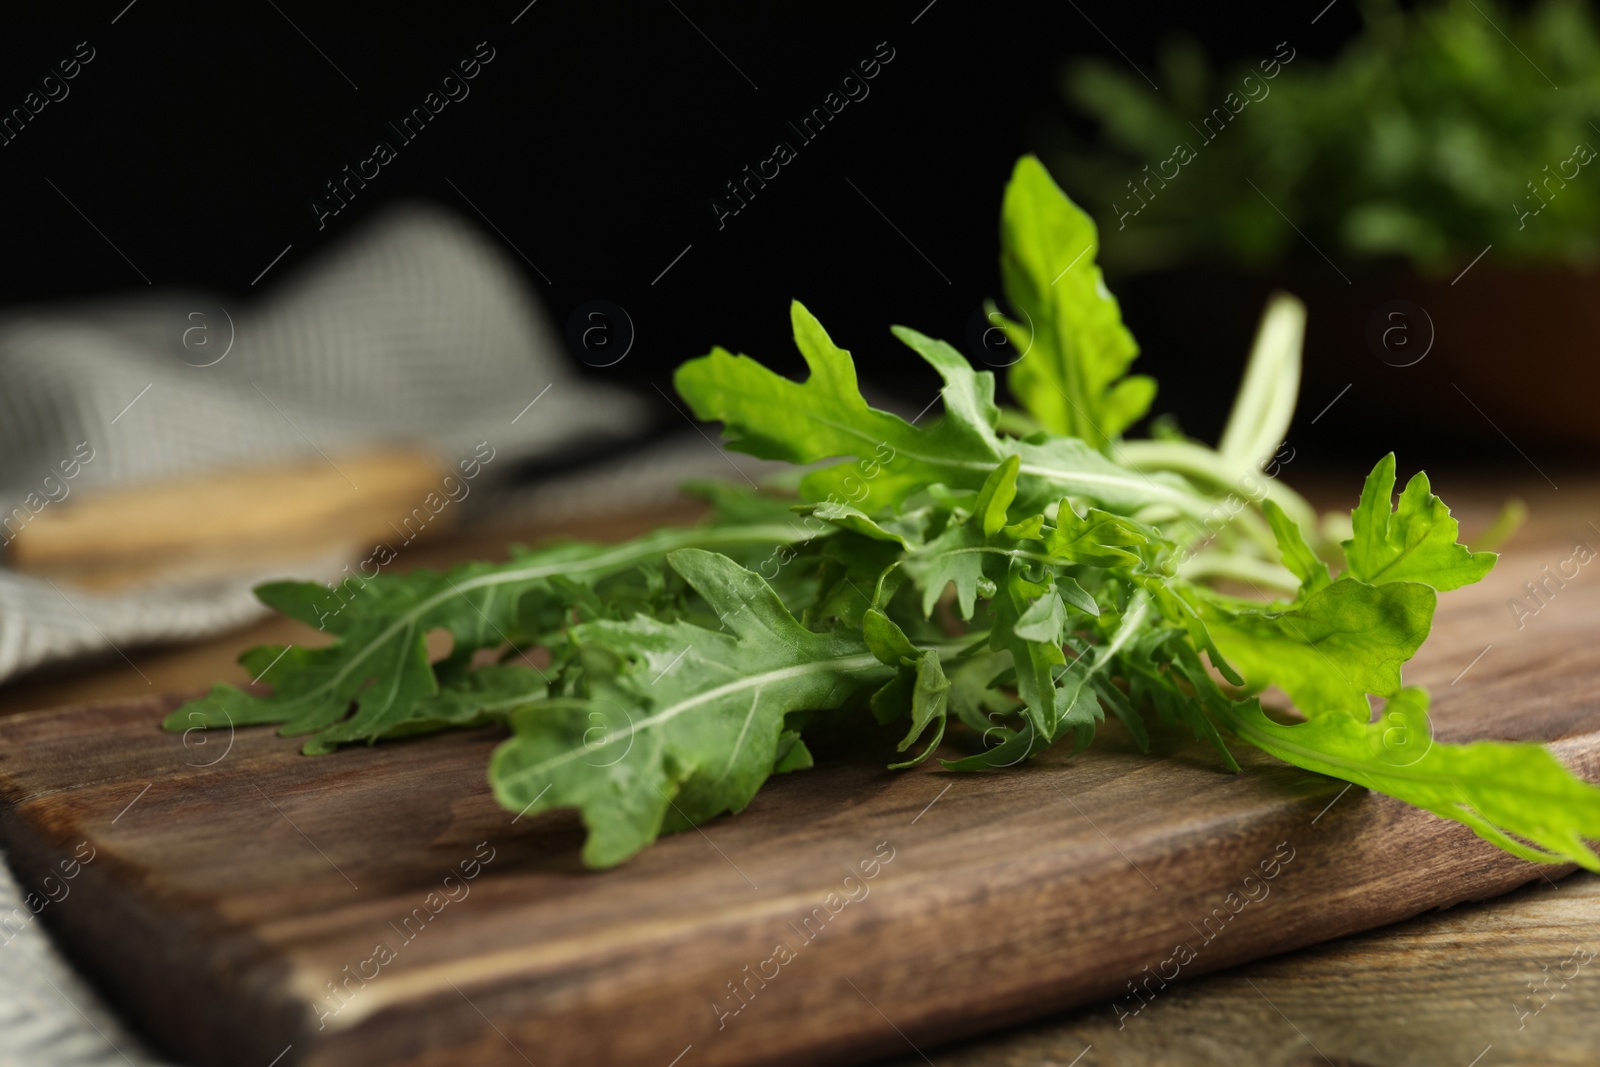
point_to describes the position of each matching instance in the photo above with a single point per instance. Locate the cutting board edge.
(156, 996)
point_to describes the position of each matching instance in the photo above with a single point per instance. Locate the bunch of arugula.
(1021, 585)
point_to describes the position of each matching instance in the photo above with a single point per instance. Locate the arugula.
(1414, 543)
(985, 594)
(1497, 788)
(378, 662)
(686, 724)
(825, 417)
(1075, 347)
(1331, 649)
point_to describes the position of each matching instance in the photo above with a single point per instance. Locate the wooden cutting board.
(224, 886)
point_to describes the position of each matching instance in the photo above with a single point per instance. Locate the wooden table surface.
(1479, 985)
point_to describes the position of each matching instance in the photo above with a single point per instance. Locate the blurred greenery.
(1438, 131)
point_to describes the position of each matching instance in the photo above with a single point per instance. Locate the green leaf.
(1331, 649)
(1045, 621)
(1164, 670)
(886, 640)
(792, 754)
(999, 490)
(1076, 349)
(974, 697)
(901, 531)
(1297, 555)
(825, 417)
(1414, 543)
(1264, 407)
(1075, 595)
(1077, 709)
(1052, 466)
(930, 700)
(957, 556)
(378, 662)
(692, 724)
(853, 570)
(1098, 538)
(1499, 789)
(965, 556)
(488, 694)
(1014, 747)
(1032, 634)
(1176, 609)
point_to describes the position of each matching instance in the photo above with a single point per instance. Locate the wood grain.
(226, 893)
(1479, 984)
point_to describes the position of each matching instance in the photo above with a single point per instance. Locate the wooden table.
(1479, 985)
(1449, 988)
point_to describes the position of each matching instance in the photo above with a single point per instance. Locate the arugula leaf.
(825, 417)
(975, 697)
(921, 682)
(999, 490)
(1050, 466)
(1264, 407)
(1045, 620)
(690, 726)
(970, 553)
(850, 571)
(1030, 623)
(792, 754)
(1302, 562)
(1098, 538)
(1503, 791)
(956, 557)
(475, 698)
(1345, 639)
(1331, 649)
(378, 661)
(1414, 543)
(886, 640)
(904, 532)
(930, 700)
(1162, 668)
(1076, 349)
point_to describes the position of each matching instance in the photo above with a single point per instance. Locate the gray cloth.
(416, 331)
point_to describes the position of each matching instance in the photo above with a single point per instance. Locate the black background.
(593, 142)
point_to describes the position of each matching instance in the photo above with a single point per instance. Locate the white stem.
(1244, 568)
(1265, 404)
